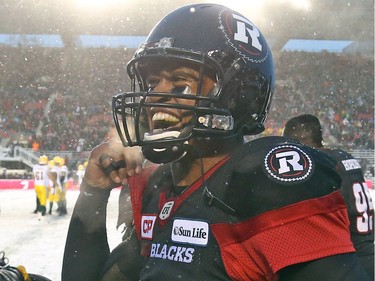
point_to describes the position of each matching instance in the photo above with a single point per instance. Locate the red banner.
(29, 184)
(25, 184)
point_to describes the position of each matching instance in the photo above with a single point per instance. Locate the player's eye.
(152, 83)
(186, 90)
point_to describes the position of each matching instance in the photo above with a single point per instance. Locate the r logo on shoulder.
(288, 163)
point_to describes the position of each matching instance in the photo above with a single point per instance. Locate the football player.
(54, 184)
(307, 129)
(211, 207)
(80, 173)
(41, 182)
(63, 180)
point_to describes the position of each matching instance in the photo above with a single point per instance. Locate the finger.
(110, 168)
(131, 166)
(118, 168)
(134, 160)
(122, 171)
(114, 166)
(138, 170)
(121, 164)
(115, 170)
(105, 160)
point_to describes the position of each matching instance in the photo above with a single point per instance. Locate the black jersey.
(359, 204)
(270, 205)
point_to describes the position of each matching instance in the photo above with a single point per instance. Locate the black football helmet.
(219, 41)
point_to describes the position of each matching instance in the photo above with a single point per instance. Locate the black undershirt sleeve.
(124, 262)
(343, 267)
(86, 248)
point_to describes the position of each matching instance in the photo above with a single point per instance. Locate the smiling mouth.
(164, 122)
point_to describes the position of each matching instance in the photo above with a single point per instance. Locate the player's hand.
(110, 164)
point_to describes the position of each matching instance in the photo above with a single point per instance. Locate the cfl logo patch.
(166, 210)
(288, 163)
(147, 226)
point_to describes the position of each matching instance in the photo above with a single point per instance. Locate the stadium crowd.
(61, 98)
(337, 88)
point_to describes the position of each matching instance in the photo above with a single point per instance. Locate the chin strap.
(212, 200)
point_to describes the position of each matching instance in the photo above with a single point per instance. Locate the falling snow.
(39, 245)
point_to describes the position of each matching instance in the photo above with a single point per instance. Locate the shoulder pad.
(347, 161)
(281, 159)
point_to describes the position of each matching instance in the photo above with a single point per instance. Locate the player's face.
(173, 77)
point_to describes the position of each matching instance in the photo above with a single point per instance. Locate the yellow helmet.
(59, 161)
(51, 163)
(85, 163)
(43, 160)
(56, 159)
(81, 167)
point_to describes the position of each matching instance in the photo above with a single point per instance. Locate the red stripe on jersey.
(257, 248)
(137, 186)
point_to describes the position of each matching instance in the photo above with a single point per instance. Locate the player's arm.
(343, 267)
(86, 249)
(124, 262)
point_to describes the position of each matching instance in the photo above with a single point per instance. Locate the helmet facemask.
(167, 135)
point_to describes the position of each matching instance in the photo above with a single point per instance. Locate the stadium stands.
(59, 99)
